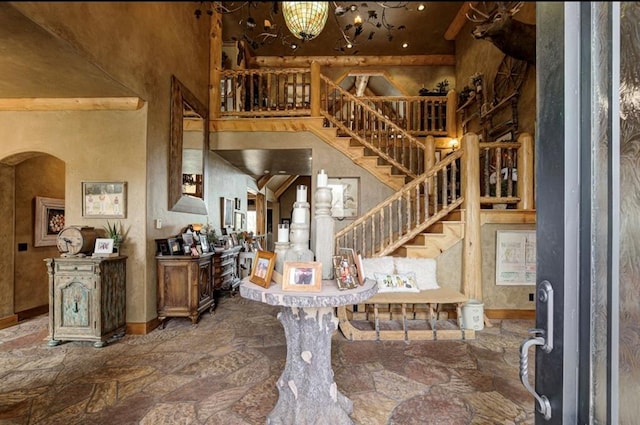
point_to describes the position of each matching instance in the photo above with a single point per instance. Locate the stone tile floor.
(223, 371)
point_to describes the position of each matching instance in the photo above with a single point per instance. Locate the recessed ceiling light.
(267, 171)
(349, 45)
(421, 7)
(405, 45)
(282, 172)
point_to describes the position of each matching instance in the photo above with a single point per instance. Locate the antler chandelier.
(305, 19)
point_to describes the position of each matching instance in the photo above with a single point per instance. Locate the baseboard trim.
(142, 328)
(33, 312)
(511, 314)
(7, 322)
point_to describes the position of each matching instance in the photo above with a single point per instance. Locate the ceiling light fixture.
(305, 19)
(421, 7)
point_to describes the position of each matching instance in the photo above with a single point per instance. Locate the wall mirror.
(188, 151)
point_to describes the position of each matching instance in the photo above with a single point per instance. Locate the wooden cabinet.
(185, 288)
(226, 275)
(87, 299)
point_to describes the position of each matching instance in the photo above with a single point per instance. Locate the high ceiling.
(423, 30)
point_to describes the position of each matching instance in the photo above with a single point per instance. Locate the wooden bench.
(404, 307)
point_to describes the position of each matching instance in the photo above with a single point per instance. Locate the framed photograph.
(187, 239)
(346, 195)
(49, 214)
(238, 220)
(103, 246)
(204, 243)
(226, 211)
(302, 276)
(263, 264)
(175, 247)
(360, 269)
(162, 247)
(104, 199)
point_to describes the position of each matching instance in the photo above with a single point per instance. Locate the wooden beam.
(263, 180)
(266, 124)
(459, 21)
(71, 104)
(353, 61)
(284, 186)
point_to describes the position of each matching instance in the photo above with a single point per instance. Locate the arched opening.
(32, 189)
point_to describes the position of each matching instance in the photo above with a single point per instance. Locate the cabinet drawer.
(68, 267)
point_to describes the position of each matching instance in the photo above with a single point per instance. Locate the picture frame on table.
(263, 265)
(355, 260)
(302, 276)
(162, 247)
(103, 246)
(104, 199)
(175, 247)
(49, 220)
(204, 243)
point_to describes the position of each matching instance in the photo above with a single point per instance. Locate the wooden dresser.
(185, 287)
(226, 273)
(87, 299)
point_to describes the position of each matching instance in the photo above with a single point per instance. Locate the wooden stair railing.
(405, 214)
(373, 130)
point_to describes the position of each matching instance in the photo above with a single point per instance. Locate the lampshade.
(305, 19)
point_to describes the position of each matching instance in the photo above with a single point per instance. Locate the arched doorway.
(29, 183)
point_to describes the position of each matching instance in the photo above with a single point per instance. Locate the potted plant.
(114, 231)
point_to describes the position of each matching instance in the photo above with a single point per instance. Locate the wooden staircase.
(368, 160)
(437, 238)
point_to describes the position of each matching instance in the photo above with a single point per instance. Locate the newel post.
(215, 64)
(315, 89)
(471, 247)
(430, 161)
(452, 104)
(525, 172)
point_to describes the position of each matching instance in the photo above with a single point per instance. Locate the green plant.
(114, 231)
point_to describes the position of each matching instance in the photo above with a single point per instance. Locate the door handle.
(544, 339)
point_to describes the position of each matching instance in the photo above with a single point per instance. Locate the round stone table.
(308, 393)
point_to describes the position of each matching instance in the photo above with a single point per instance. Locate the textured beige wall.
(7, 247)
(140, 45)
(40, 176)
(93, 146)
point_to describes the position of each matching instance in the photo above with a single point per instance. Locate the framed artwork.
(104, 199)
(162, 247)
(103, 246)
(204, 243)
(49, 220)
(238, 220)
(263, 265)
(346, 194)
(516, 257)
(226, 211)
(302, 276)
(175, 247)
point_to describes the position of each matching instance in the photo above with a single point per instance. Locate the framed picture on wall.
(346, 195)
(226, 211)
(49, 214)
(104, 199)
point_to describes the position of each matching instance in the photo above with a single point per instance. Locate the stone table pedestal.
(308, 393)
